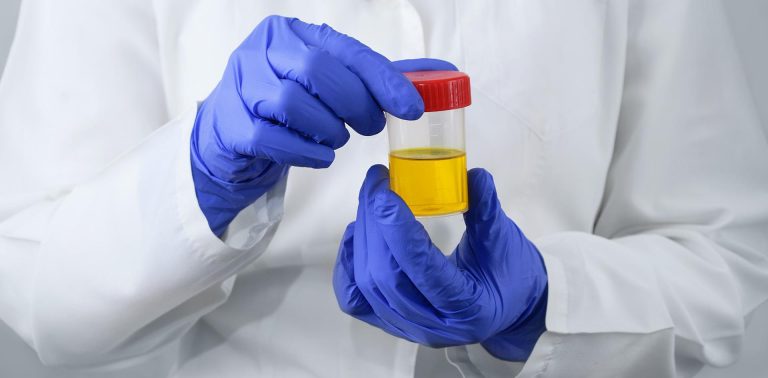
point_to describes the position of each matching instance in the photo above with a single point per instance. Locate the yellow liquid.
(432, 181)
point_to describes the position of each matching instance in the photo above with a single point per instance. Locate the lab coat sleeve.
(679, 255)
(102, 262)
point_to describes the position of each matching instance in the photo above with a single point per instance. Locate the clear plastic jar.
(427, 159)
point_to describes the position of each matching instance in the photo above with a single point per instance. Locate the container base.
(439, 213)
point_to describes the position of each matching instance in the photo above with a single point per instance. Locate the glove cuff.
(220, 200)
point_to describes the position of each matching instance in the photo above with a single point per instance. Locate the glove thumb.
(423, 64)
(485, 219)
(350, 299)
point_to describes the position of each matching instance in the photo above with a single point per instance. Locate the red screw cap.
(441, 90)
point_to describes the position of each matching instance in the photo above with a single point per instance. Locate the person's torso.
(542, 121)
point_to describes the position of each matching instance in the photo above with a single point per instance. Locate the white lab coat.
(621, 135)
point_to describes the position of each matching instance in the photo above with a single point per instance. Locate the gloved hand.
(492, 289)
(285, 95)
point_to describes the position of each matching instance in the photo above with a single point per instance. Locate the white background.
(749, 21)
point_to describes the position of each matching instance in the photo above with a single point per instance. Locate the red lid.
(441, 90)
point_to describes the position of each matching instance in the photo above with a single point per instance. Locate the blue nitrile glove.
(492, 290)
(285, 95)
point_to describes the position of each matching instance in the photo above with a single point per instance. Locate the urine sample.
(427, 159)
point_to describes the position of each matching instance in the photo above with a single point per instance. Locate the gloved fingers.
(445, 286)
(390, 317)
(326, 78)
(292, 106)
(390, 328)
(423, 64)
(485, 220)
(435, 337)
(391, 226)
(437, 334)
(350, 300)
(393, 91)
(371, 257)
(392, 298)
(376, 176)
(394, 286)
(282, 145)
(484, 203)
(273, 52)
(348, 295)
(391, 283)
